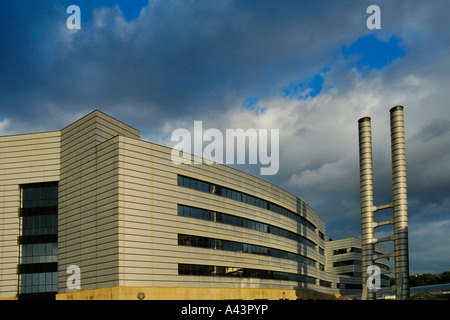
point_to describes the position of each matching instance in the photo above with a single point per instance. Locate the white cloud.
(4, 124)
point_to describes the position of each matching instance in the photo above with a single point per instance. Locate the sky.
(308, 68)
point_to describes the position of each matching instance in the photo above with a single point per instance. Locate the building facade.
(95, 196)
(344, 258)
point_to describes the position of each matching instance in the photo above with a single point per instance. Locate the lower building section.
(194, 293)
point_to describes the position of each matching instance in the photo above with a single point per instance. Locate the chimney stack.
(399, 205)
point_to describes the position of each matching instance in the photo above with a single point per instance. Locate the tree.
(427, 279)
(445, 277)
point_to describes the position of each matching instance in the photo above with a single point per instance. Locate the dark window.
(38, 241)
(324, 283)
(353, 286)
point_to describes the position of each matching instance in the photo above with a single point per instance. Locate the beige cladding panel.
(93, 215)
(96, 124)
(149, 195)
(25, 158)
(89, 195)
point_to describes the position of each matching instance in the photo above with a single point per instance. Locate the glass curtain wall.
(38, 241)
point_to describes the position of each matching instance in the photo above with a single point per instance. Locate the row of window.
(38, 282)
(39, 253)
(352, 249)
(351, 274)
(39, 225)
(354, 286)
(219, 244)
(324, 283)
(350, 286)
(346, 250)
(199, 185)
(220, 271)
(204, 214)
(40, 203)
(347, 263)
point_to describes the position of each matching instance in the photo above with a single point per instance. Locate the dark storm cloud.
(187, 56)
(178, 58)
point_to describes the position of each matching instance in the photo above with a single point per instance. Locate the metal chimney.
(399, 205)
(366, 195)
(400, 202)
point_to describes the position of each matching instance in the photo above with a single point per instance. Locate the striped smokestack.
(399, 205)
(400, 202)
(366, 196)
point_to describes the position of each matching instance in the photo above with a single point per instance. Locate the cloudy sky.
(308, 68)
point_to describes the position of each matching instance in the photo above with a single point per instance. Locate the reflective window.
(39, 253)
(204, 214)
(38, 282)
(225, 271)
(39, 195)
(227, 245)
(38, 225)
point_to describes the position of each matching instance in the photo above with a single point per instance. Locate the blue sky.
(129, 9)
(309, 68)
(367, 53)
(373, 53)
(304, 90)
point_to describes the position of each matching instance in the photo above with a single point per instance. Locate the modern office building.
(137, 226)
(344, 258)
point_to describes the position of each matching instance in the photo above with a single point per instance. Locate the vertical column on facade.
(366, 196)
(400, 202)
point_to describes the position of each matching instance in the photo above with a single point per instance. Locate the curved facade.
(138, 225)
(267, 237)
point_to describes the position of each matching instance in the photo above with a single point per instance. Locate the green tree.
(445, 277)
(427, 279)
